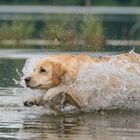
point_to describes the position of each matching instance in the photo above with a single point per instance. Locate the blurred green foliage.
(65, 32)
(86, 31)
(70, 32)
(92, 32)
(54, 30)
(16, 30)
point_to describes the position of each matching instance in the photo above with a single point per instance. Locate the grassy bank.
(63, 32)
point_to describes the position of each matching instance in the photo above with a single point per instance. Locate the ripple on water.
(37, 123)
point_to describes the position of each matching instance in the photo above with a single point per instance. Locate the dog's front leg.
(54, 97)
(53, 92)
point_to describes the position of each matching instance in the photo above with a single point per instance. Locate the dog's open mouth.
(34, 87)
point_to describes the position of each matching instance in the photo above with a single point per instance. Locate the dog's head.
(47, 74)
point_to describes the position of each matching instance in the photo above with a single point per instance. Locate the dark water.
(37, 123)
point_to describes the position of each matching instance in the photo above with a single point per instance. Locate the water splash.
(110, 85)
(133, 50)
(106, 85)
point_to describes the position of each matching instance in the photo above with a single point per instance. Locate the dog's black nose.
(27, 79)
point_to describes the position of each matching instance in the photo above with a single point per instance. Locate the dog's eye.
(42, 70)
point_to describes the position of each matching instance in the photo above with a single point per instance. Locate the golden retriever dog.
(56, 74)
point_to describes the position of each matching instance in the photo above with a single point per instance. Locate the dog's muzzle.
(27, 81)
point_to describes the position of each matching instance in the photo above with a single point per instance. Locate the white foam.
(28, 68)
(96, 80)
(96, 83)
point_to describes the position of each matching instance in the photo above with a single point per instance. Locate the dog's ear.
(58, 71)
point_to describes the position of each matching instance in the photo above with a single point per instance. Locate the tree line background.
(74, 2)
(73, 31)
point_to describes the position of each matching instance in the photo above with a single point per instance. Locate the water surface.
(37, 123)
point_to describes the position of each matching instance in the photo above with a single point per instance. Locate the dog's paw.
(28, 103)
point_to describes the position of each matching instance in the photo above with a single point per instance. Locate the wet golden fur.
(55, 74)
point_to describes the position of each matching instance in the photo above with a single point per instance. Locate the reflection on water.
(20, 122)
(37, 123)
